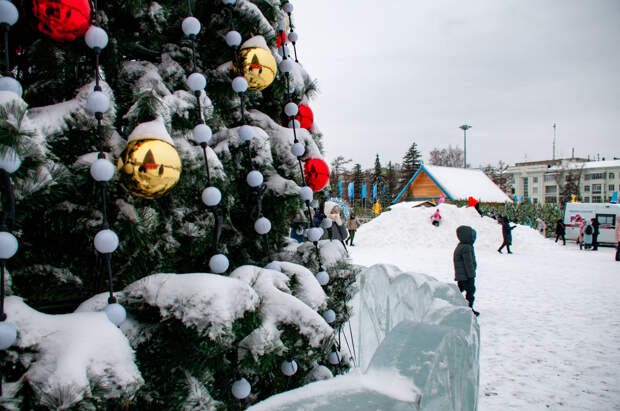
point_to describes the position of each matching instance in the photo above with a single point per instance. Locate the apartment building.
(542, 181)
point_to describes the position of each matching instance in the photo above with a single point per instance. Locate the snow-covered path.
(550, 315)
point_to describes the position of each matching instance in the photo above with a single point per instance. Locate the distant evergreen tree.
(358, 180)
(411, 163)
(391, 182)
(377, 175)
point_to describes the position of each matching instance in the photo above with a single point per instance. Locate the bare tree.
(338, 168)
(448, 157)
(499, 176)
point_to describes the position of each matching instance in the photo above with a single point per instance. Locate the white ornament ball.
(106, 241)
(334, 358)
(291, 109)
(233, 38)
(196, 82)
(202, 133)
(246, 132)
(10, 161)
(322, 277)
(102, 170)
(8, 245)
(254, 178)
(306, 193)
(8, 334)
(8, 83)
(239, 84)
(96, 37)
(329, 316)
(116, 313)
(211, 196)
(241, 389)
(298, 149)
(294, 124)
(191, 26)
(262, 226)
(274, 265)
(288, 368)
(8, 13)
(293, 37)
(326, 223)
(219, 263)
(286, 66)
(98, 102)
(288, 7)
(314, 234)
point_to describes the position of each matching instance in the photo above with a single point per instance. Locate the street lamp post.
(465, 127)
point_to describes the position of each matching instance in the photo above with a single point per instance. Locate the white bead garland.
(239, 84)
(322, 277)
(233, 38)
(106, 241)
(190, 26)
(246, 132)
(298, 149)
(329, 316)
(8, 245)
(8, 13)
(8, 83)
(334, 357)
(96, 37)
(254, 178)
(241, 389)
(102, 170)
(196, 82)
(219, 263)
(202, 133)
(306, 193)
(116, 313)
(262, 226)
(10, 160)
(211, 196)
(291, 109)
(98, 102)
(288, 368)
(8, 335)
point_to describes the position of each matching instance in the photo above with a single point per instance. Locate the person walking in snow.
(617, 237)
(588, 230)
(352, 226)
(560, 231)
(595, 233)
(506, 234)
(436, 218)
(464, 260)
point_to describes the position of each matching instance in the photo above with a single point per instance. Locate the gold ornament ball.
(258, 67)
(149, 168)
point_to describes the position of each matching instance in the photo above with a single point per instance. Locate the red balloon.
(305, 116)
(62, 20)
(316, 174)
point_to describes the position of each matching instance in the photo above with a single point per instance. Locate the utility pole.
(554, 137)
(465, 127)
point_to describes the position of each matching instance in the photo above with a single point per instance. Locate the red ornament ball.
(316, 174)
(281, 38)
(62, 20)
(305, 116)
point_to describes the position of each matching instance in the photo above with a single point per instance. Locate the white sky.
(393, 72)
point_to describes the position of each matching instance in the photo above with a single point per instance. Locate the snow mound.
(73, 357)
(403, 224)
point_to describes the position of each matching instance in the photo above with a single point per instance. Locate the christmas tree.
(204, 111)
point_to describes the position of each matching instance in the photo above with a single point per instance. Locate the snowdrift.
(403, 224)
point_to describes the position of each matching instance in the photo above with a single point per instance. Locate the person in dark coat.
(560, 231)
(595, 233)
(465, 264)
(507, 234)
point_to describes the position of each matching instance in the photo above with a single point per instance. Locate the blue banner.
(374, 191)
(351, 190)
(521, 199)
(363, 190)
(614, 197)
(339, 188)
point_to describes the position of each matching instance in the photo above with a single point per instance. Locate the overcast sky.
(393, 72)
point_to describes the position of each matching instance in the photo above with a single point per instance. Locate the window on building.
(595, 176)
(611, 187)
(525, 187)
(534, 180)
(534, 190)
(551, 189)
(586, 199)
(586, 189)
(549, 199)
(611, 176)
(596, 188)
(606, 219)
(549, 178)
(597, 199)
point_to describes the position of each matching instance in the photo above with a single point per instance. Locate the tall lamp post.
(465, 127)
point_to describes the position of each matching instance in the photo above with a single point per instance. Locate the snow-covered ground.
(550, 315)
